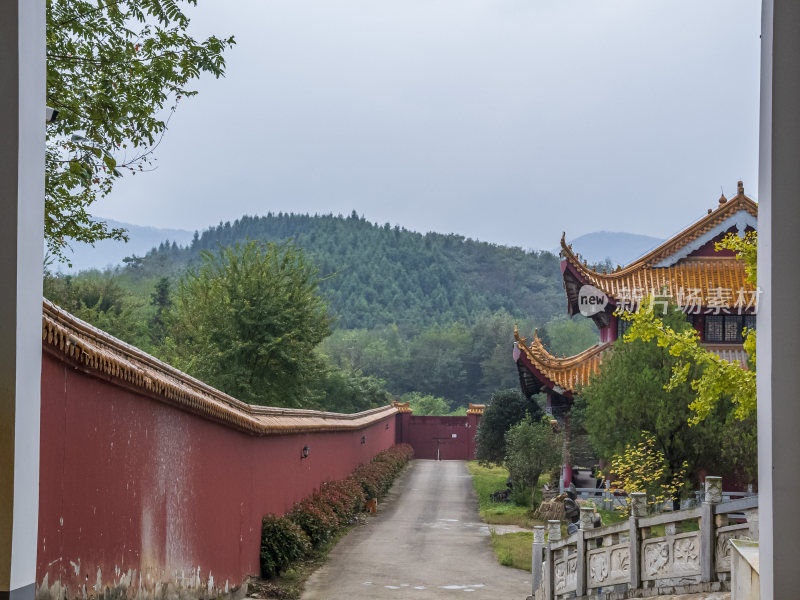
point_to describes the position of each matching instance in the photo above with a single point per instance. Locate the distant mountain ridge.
(375, 275)
(109, 253)
(620, 248)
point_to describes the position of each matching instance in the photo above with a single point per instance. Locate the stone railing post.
(587, 517)
(587, 522)
(553, 535)
(638, 509)
(537, 556)
(553, 531)
(708, 537)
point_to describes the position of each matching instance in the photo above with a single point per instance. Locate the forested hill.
(378, 275)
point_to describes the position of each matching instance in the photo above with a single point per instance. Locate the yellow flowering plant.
(643, 468)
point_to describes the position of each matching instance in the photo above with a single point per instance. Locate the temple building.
(709, 286)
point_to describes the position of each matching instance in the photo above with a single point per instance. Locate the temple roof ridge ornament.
(678, 266)
(739, 203)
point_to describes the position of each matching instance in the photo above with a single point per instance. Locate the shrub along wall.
(327, 511)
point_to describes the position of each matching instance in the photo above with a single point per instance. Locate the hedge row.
(327, 511)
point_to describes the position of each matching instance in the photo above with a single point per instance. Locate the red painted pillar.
(567, 459)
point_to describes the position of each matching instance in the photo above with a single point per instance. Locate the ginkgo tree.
(643, 468)
(116, 70)
(718, 377)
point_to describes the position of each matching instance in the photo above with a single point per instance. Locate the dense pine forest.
(426, 317)
(381, 275)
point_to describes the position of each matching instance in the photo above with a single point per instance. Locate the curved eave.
(100, 354)
(561, 375)
(705, 275)
(703, 282)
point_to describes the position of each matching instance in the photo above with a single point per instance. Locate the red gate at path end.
(439, 438)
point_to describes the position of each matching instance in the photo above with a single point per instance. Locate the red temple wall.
(135, 493)
(445, 438)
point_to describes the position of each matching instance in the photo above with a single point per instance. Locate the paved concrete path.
(426, 542)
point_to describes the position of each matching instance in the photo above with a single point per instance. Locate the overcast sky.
(502, 120)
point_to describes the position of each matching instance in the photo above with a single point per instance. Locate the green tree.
(426, 405)
(532, 448)
(630, 394)
(436, 363)
(248, 320)
(709, 377)
(161, 301)
(345, 391)
(492, 343)
(504, 410)
(712, 378)
(643, 468)
(569, 336)
(746, 249)
(115, 72)
(98, 298)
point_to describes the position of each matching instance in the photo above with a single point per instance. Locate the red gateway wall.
(442, 438)
(142, 498)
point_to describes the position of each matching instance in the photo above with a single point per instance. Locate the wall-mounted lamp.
(387, 426)
(363, 439)
(304, 452)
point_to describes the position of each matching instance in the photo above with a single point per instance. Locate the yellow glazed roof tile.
(720, 278)
(70, 338)
(568, 372)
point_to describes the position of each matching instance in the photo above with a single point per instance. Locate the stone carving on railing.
(656, 558)
(609, 565)
(671, 557)
(561, 577)
(693, 553)
(566, 574)
(723, 552)
(598, 567)
(722, 559)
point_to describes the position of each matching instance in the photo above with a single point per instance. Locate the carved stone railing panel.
(609, 565)
(672, 556)
(629, 559)
(722, 558)
(566, 574)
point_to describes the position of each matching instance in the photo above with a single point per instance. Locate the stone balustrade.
(627, 559)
